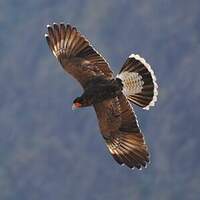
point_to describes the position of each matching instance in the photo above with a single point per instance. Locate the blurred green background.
(47, 151)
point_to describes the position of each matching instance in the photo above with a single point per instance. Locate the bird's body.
(109, 95)
(100, 89)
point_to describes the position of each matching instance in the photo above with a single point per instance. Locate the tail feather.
(139, 82)
(129, 149)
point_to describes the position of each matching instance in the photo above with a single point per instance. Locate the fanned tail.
(139, 82)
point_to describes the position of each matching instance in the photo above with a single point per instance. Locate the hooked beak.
(75, 106)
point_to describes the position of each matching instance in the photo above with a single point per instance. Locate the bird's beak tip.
(74, 107)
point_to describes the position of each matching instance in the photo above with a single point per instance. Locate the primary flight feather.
(109, 95)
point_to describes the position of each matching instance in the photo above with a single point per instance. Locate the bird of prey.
(111, 96)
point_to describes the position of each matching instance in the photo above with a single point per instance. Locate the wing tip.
(129, 150)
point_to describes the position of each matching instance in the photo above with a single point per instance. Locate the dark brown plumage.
(110, 96)
(100, 89)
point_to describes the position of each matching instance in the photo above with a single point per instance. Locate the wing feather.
(76, 54)
(119, 127)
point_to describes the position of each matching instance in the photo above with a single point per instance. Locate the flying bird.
(111, 96)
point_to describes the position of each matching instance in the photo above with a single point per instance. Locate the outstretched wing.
(119, 127)
(75, 53)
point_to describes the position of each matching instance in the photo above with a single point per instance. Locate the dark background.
(49, 152)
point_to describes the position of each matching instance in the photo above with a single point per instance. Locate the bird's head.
(78, 103)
